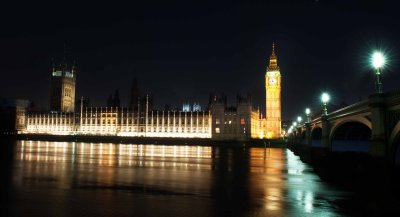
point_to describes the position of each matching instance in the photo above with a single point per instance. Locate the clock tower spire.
(273, 96)
(273, 60)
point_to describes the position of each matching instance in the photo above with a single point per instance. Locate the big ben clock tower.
(273, 97)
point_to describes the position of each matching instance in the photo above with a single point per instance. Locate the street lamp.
(325, 99)
(308, 111)
(299, 119)
(378, 61)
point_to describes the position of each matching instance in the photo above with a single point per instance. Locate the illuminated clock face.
(272, 81)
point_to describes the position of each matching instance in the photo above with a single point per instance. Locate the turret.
(62, 87)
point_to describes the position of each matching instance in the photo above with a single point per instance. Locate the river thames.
(105, 179)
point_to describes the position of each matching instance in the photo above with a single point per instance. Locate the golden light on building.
(273, 97)
(219, 122)
(257, 125)
(122, 122)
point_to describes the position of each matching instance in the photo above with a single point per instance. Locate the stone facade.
(122, 122)
(13, 115)
(235, 123)
(62, 88)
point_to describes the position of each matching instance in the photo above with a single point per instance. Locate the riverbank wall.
(276, 143)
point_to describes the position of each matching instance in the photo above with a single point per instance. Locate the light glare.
(308, 111)
(325, 97)
(378, 60)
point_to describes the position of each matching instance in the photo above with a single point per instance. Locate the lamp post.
(299, 119)
(308, 126)
(378, 61)
(325, 99)
(308, 111)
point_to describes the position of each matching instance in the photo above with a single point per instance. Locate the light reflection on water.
(216, 180)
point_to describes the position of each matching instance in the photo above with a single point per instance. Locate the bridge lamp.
(294, 124)
(378, 61)
(299, 119)
(325, 99)
(308, 112)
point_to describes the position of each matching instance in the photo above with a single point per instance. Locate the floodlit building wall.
(122, 122)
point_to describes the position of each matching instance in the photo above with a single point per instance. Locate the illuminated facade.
(218, 121)
(122, 122)
(273, 97)
(236, 123)
(62, 88)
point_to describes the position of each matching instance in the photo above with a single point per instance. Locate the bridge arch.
(303, 137)
(361, 120)
(351, 135)
(395, 134)
(316, 136)
(394, 144)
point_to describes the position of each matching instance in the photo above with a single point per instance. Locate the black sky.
(182, 51)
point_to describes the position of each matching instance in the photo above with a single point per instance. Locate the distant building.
(13, 115)
(122, 122)
(62, 88)
(196, 107)
(219, 121)
(285, 126)
(235, 123)
(187, 108)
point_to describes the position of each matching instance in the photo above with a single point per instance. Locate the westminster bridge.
(371, 125)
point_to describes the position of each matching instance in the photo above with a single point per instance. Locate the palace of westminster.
(139, 119)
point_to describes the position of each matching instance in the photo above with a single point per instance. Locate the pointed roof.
(273, 60)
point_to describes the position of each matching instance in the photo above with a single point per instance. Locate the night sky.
(182, 51)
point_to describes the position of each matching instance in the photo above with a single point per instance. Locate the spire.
(73, 69)
(53, 65)
(273, 48)
(273, 60)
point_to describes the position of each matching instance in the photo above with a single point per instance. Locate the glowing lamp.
(299, 119)
(325, 98)
(308, 111)
(378, 60)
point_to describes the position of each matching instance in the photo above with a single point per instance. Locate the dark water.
(102, 179)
